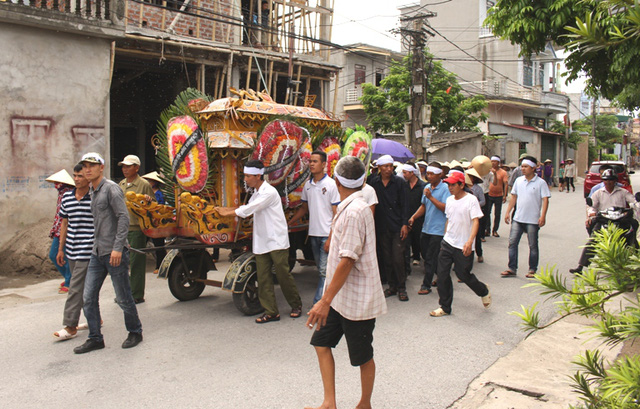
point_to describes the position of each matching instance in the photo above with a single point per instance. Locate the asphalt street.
(204, 353)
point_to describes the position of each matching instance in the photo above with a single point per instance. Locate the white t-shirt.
(270, 230)
(320, 197)
(460, 214)
(369, 195)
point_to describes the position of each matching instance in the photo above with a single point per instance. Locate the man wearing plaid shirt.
(353, 295)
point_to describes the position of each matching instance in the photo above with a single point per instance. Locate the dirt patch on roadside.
(25, 260)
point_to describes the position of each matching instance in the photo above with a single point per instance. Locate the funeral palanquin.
(206, 149)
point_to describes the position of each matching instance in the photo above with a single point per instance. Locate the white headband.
(350, 183)
(434, 170)
(454, 171)
(528, 162)
(253, 171)
(495, 158)
(384, 160)
(410, 168)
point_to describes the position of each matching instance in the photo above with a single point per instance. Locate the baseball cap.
(455, 177)
(130, 160)
(92, 157)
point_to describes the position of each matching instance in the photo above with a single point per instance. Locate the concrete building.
(523, 93)
(85, 75)
(361, 63)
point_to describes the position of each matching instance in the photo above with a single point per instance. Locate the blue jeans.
(98, 269)
(317, 246)
(64, 270)
(517, 230)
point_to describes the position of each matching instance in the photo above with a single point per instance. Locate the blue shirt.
(434, 219)
(529, 198)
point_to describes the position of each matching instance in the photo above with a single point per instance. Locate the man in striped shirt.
(76, 238)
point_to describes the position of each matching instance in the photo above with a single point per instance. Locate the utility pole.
(593, 125)
(415, 31)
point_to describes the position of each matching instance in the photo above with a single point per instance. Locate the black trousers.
(569, 182)
(392, 259)
(430, 245)
(462, 265)
(497, 202)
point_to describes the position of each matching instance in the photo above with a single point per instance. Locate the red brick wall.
(187, 25)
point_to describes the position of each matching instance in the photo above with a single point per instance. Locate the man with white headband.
(434, 197)
(270, 242)
(353, 296)
(530, 195)
(320, 198)
(497, 194)
(411, 174)
(392, 226)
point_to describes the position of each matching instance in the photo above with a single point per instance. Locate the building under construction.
(94, 75)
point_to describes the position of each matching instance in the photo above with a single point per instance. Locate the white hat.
(92, 157)
(61, 177)
(130, 160)
(153, 176)
(384, 160)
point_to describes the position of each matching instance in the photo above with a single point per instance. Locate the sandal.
(486, 300)
(531, 274)
(402, 296)
(438, 313)
(64, 335)
(507, 273)
(389, 292)
(63, 290)
(264, 318)
(495, 234)
(424, 291)
(296, 312)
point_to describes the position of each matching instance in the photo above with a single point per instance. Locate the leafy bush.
(614, 272)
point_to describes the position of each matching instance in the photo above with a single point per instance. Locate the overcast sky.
(369, 22)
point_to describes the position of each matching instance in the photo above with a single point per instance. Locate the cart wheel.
(181, 285)
(248, 302)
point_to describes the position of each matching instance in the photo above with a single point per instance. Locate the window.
(522, 148)
(541, 74)
(484, 6)
(379, 76)
(527, 73)
(360, 74)
(537, 122)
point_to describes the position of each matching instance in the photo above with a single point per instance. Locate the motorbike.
(620, 217)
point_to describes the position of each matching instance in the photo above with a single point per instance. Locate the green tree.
(613, 274)
(607, 132)
(574, 138)
(602, 38)
(386, 106)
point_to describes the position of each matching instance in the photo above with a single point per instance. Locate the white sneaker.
(486, 300)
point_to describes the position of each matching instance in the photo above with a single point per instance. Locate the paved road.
(204, 353)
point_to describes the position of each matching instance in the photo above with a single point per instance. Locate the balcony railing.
(92, 9)
(352, 95)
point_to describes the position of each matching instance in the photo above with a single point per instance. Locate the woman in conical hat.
(63, 182)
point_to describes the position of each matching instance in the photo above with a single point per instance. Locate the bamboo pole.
(216, 9)
(335, 93)
(270, 82)
(249, 73)
(164, 14)
(229, 72)
(297, 85)
(274, 89)
(198, 19)
(217, 84)
(140, 16)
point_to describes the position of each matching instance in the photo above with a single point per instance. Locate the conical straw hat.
(61, 177)
(482, 165)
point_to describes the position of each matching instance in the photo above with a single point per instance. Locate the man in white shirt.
(353, 297)
(530, 195)
(463, 220)
(270, 242)
(319, 198)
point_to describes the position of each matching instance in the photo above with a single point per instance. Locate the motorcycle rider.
(610, 196)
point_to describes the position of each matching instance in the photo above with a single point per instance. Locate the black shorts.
(359, 336)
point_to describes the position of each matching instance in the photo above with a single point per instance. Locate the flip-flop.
(64, 335)
(296, 312)
(507, 273)
(438, 313)
(424, 291)
(531, 274)
(264, 318)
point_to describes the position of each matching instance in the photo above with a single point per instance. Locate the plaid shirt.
(353, 235)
